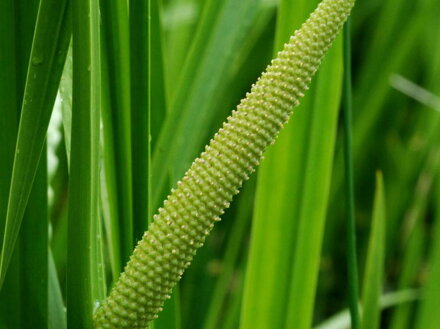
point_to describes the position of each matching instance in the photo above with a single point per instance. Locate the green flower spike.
(189, 212)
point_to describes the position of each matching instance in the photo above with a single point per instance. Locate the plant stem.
(349, 186)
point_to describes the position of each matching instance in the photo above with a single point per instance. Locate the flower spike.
(190, 211)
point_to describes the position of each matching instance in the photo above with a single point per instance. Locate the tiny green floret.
(190, 211)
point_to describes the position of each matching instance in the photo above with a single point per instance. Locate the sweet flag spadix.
(200, 198)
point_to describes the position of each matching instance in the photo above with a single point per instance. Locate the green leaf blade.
(140, 48)
(374, 270)
(85, 284)
(47, 58)
(293, 180)
(116, 44)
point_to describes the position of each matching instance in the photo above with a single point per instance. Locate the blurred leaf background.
(135, 89)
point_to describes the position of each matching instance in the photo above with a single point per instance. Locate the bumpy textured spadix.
(191, 209)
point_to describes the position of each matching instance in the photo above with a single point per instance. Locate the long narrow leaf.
(158, 88)
(374, 270)
(140, 50)
(303, 150)
(350, 219)
(316, 186)
(9, 113)
(49, 49)
(148, 102)
(109, 195)
(117, 57)
(8, 104)
(84, 284)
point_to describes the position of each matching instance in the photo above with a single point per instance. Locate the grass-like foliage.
(104, 105)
